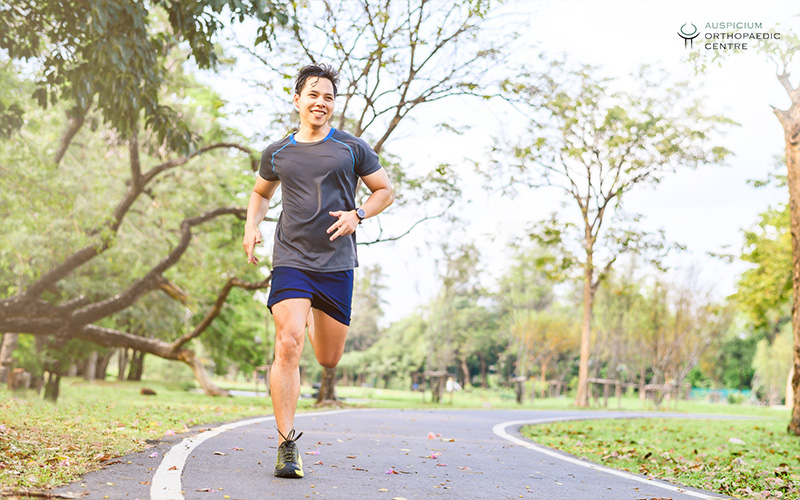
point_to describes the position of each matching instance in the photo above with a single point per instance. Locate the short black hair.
(320, 70)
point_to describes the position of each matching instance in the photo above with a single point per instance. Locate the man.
(315, 245)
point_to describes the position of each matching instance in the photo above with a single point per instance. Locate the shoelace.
(288, 452)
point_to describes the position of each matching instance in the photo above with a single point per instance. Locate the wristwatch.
(361, 214)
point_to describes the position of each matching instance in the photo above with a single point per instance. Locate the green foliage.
(48, 212)
(764, 292)
(114, 54)
(231, 338)
(728, 363)
(772, 362)
(367, 309)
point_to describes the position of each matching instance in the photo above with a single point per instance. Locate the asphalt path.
(379, 454)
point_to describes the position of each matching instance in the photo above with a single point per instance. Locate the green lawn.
(43, 445)
(749, 459)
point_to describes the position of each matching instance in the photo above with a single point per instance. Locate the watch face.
(361, 213)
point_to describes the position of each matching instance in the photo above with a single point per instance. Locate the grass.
(44, 445)
(748, 459)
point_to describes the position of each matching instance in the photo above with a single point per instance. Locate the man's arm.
(382, 196)
(256, 211)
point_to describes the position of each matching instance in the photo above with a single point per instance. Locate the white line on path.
(166, 483)
(500, 430)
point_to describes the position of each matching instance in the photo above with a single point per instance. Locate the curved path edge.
(500, 431)
(166, 482)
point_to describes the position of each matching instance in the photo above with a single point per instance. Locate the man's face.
(315, 102)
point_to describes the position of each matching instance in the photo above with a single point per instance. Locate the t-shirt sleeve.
(366, 158)
(266, 170)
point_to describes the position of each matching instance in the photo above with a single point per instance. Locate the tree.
(596, 144)
(681, 322)
(455, 301)
(764, 292)
(112, 55)
(393, 58)
(772, 362)
(530, 308)
(125, 247)
(367, 309)
(782, 52)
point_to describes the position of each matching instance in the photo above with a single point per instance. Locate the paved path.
(349, 454)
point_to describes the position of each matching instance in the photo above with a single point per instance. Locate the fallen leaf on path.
(391, 472)
(153, 455)
(144, 482)
(431, 435)
(319, 463)
(441, 465)
(220, 453)
(208, 490)
(382, 489)
(173, 468)
(448, 440)
(313, 452)
(464, 468)
(351, 456)
(237, 449)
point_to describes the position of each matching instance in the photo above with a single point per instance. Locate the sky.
(706, 209)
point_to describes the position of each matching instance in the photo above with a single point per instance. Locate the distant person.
(315, 243)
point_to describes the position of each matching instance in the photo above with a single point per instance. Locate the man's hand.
(252, 237)
(347, 223)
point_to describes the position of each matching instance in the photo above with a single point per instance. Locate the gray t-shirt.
(316, 178)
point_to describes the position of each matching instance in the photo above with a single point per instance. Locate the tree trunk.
(790, 120)
(327, 386)
(543, 381)
(6, 355)
(465, 372)
(53, 386)
(90, 370)
(642, 391)
(122, 363)
(484, 379)
(102, 365)
(789, 390)
(201, 375)
(582, 399)
(137, 367)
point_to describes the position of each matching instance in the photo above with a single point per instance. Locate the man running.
(315, 243)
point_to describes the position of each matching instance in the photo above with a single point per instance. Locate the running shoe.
(289, 463)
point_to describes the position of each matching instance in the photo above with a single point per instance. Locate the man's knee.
(289, 345)
(328, 360)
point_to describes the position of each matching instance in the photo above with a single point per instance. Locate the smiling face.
(315, 103)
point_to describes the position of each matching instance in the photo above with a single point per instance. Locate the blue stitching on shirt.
(273, 157)
(352, 156)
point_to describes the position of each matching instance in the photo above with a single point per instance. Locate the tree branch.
(217, 308)
(151, 280)
(90, 251)
(395, 238)
(75, 124)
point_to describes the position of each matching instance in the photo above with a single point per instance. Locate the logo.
(688, 37)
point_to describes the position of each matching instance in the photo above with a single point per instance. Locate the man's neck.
(311, 134)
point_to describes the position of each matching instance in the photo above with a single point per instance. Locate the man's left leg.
(327, 337)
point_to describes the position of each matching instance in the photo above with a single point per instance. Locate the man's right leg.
(284, 381)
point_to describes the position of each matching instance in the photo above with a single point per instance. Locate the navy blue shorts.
(331, 293)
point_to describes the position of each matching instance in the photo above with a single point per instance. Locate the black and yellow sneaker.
(289, 463)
